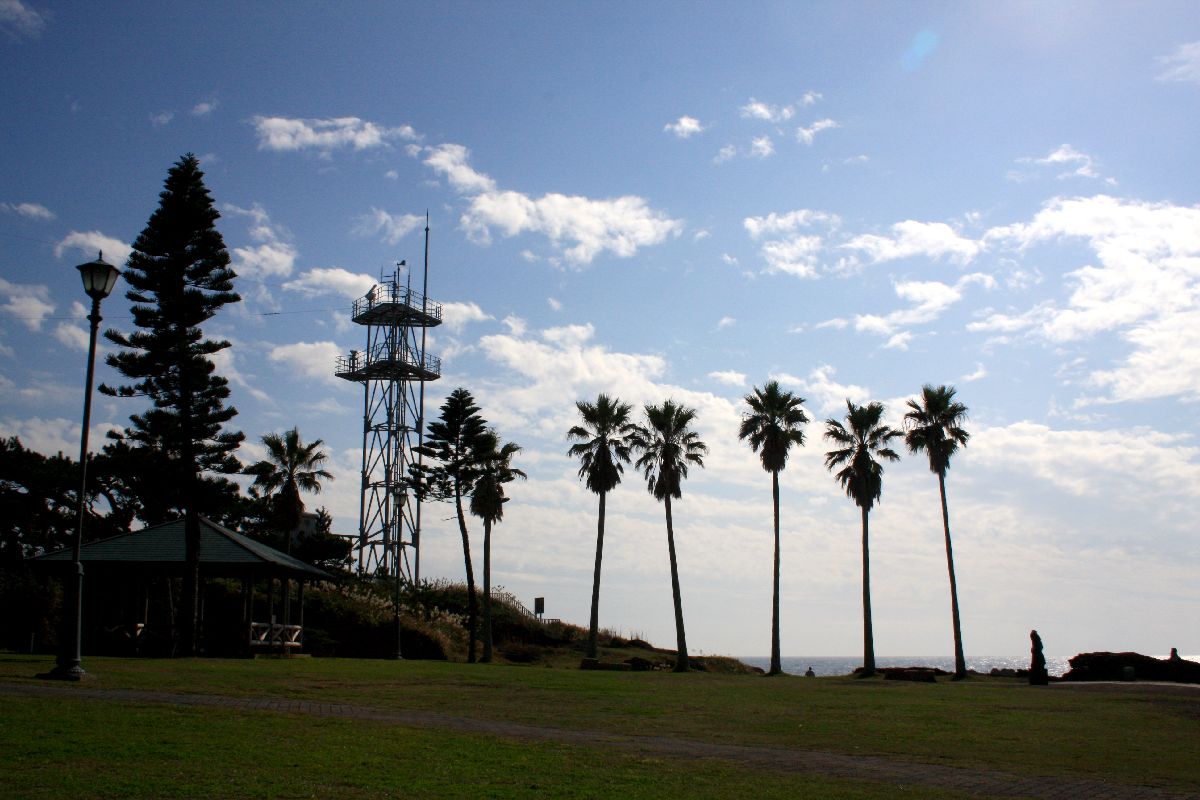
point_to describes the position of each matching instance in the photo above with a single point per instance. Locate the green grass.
(1125, 734)
(57, 748)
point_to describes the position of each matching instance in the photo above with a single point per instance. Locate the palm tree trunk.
(487, 591)
(472, 612)
(960, 662)
(681, 654)
(594, 625)
(868, 635)
(776, 664)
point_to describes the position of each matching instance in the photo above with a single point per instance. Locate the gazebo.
(119, 573)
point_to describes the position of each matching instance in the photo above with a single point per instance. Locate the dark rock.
(638, 664)
(1113, 667)
(915, 674)
(608, 666)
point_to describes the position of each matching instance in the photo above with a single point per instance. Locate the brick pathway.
(880, 769)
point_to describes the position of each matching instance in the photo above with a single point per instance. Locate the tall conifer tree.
(179, 277)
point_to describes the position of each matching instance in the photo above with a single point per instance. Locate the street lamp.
(99, 278)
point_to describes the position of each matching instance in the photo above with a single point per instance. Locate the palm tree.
(494, 464)
(451, 440)
(864, 441)
(290, 467)
(934, 425)
(772, 427)
(602, 444)
(667, 447)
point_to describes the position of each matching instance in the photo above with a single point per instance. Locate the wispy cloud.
(29, 211)
(19, 19)
(274, 256)
(326, 135)
(331, 280)
(684, 127)
(579, 227)
(392, 227)
(1182, 65)
(762, 147)
(756, 109)
(92, 242)
(807, 135)
(728, 377)
(29, 303)
(1077, 164)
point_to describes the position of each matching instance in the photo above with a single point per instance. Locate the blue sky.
(680, 200)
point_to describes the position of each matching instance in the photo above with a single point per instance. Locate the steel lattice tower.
(393, 370)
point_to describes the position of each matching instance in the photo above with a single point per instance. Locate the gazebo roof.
(162, 548)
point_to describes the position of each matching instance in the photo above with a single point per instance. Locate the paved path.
(880, 769)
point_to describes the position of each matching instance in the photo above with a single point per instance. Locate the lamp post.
(99, 278)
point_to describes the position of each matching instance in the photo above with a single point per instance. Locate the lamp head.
(99, 277)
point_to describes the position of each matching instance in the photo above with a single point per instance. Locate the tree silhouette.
(179, 277)
(934, 426)
(667, 446)
(451, 440)
(494, 467)
(772, 427)
(862, 440)
(602, 446)
(290, 467)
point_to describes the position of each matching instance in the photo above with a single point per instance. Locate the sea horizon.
(824, 666)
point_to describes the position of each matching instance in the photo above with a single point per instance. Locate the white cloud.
(456, 316)
(807, 135)
(325, 135)
(554, 303)
(331, 280)
(785, 223)
(979, 374)
(725, 154)
(51, 436)
(684, 127)
(729, 377)
(274, 257)
(1092, 462)
(911, 238)
(1182, 65)
(160, 118)
(810, 97)
(313, 360)
(762, 147)
(451, 160)
(726, 322)
(822, 392)
(20, 19)
(796, 255)
(204, 108)
(928, 300)
(756, 109)
(92, 242)
(516, 326)
(394, 227)
(580, 227)
(1144, 287)
(29, 210)
(30, 303)
(1079, 165)
(72, 336)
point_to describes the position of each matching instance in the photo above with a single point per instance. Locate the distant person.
(1037, 663)
(808, 673)
(1175, 655)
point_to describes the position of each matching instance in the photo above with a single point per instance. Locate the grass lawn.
(1131, 734)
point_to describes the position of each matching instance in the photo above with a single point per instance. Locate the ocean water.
(845, 665)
